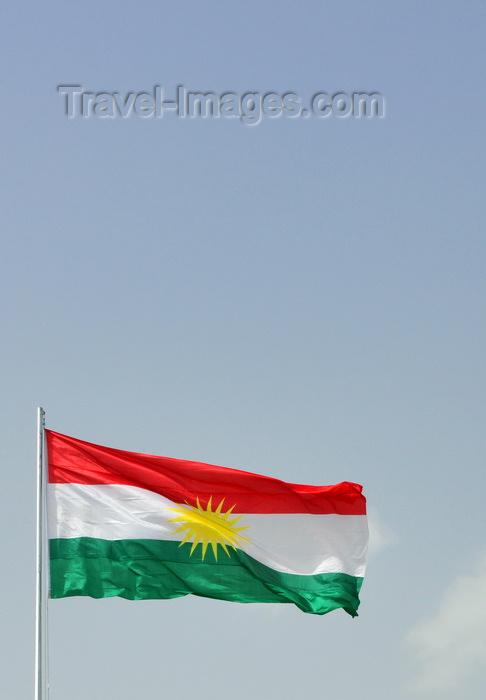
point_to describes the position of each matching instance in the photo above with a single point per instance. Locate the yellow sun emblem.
(208, 527)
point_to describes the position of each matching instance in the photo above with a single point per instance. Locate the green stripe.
(148, 569)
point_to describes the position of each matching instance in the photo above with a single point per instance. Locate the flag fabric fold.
(146, 527)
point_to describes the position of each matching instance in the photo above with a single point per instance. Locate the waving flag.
(143, 527)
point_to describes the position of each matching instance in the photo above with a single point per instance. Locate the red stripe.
(73, 461)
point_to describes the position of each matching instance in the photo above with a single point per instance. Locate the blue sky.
(302, 298)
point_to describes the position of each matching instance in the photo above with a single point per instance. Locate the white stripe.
(289, 542)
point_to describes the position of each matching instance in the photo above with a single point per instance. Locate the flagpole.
(39, 589)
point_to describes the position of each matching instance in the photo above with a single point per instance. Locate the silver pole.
(39, 589)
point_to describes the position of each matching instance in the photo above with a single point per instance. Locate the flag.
(143, 527)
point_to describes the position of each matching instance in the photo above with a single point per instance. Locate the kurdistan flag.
(141, 527)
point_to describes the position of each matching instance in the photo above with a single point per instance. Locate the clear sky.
(303, 297)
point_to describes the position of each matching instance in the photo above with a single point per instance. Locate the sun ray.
(228, 512)
(208, 527)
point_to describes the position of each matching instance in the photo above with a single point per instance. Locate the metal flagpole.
(40, 593)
